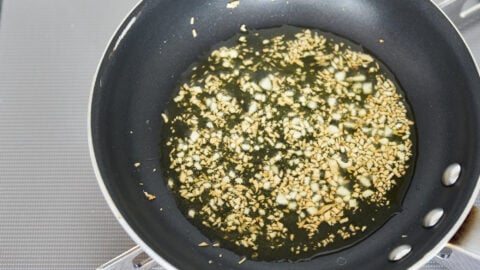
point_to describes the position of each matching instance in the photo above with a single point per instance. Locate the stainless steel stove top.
(52, 214)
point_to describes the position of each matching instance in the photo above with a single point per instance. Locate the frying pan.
(154, 46)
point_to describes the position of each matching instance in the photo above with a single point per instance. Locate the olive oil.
(288, 143)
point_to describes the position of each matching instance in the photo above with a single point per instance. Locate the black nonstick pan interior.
(154, 46)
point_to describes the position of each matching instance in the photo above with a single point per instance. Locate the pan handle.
(460, 16)
(133, 259)
(463, 251)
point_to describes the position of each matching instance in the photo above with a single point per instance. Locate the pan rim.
(444, 241)
(118, 35)
(106, 194)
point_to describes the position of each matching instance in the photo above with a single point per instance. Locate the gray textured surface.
(52, 215)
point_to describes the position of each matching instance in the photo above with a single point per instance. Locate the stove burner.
(462, 12)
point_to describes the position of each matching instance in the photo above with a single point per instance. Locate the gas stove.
(52, 214)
